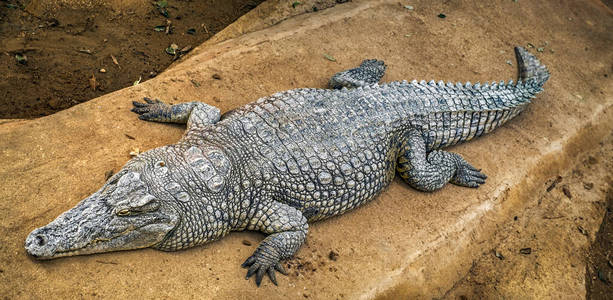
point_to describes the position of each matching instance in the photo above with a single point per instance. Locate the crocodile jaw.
(93, 226)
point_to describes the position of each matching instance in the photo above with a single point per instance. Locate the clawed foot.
(467, 175)
(261, 263)
(153, 110)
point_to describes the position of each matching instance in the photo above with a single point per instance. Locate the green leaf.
(164, 12)
(296, 3)
(21, 58)
(138, 81)
(328, 57)
(161, 3)
(172, 49)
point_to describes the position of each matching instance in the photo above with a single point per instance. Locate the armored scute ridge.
(285, 160)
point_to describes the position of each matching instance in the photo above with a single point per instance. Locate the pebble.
(566, 192)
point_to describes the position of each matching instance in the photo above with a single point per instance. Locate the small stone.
(409, 7)
(246, 243)
(498, 255)
(603, 277)
(216, 76)
(333, 255)
(583, 231)
(134, 152)
(525, 251)
(102, 70)
(442, 16)
(510, 63)
(588, 185)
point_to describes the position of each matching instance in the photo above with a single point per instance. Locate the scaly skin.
(276, 164)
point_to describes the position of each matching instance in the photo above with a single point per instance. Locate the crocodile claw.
(152, 110)
(259, 266)
(153, 101)
(468, 176)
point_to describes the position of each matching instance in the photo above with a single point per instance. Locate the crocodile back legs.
(431, 171)
(369, 72)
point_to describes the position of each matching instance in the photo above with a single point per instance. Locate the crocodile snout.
(37, 244)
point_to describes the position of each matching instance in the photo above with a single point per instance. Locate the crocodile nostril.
(41, 240)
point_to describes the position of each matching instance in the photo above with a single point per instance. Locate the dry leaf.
(92, 82)
(115, 60)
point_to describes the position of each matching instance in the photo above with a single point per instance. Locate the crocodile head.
(126, 213)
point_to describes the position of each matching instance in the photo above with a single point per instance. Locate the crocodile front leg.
(192, 113)
(430, 172)
(287, 229)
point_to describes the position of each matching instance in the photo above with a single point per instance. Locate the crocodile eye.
(123, 212)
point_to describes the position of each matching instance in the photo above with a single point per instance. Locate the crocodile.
(286, 160)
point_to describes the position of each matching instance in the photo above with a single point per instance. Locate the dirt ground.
(74, 53)
(546, 249)
(599, 270)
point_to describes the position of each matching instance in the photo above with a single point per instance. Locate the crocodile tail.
(530, 68)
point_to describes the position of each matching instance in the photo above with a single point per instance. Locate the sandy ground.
(417, 244)
(541, 252)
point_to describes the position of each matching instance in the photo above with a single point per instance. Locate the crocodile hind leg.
(369, 72)
(431, 171)
(192, 113)
(287, 229)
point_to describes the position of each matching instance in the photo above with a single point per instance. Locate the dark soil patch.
(52, 60)
(599, 273)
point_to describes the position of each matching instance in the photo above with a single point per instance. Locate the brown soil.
(599, 269)
(544, 251)
(70, 49)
